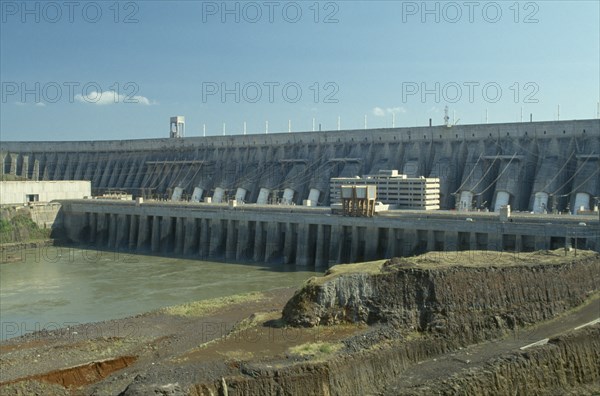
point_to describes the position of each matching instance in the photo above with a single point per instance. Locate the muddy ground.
(103, 357)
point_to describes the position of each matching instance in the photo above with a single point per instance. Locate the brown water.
(57, 287)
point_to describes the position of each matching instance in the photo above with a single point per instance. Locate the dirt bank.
(481, 297)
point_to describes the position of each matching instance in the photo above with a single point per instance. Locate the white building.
(22, 192)
(395, 189)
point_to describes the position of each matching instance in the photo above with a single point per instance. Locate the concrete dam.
(543, 167)
(308, 236)
(535, 166)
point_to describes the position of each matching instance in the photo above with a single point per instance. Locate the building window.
(32, 197)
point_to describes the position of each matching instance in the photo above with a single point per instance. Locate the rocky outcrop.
(469, 302)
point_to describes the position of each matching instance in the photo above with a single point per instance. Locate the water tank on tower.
(177, 129)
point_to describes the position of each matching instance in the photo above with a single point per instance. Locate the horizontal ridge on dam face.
(536, 166)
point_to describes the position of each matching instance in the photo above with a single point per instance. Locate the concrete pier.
(190, 244)
(122, 225)
(273, 242)
(216, 248)
(166, 235)
(259, 242)
(133, 232)
(204, 246)
(231, 232)
(144, 233)
(245, 236)
(102, 231)
(155, 243)
(335, 244)
(179, 235)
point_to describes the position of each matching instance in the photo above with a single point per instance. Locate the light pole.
(575, 242)
(598, 232)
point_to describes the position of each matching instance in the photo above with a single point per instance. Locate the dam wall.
(308, 236)
(537, 166)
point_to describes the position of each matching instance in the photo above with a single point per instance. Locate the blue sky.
(75, 74)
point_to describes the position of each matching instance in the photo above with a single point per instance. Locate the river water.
(55, 287)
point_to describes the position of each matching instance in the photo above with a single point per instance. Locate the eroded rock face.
(469, 303)
(568, 364)
(344, 299)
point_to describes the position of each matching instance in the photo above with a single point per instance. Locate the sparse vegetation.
(485, 258)
(470, 258)
(237, 354)
(205, 307)
(20, 228)
(4, 226)
(257, 318)
(369, 267)
(318, 350)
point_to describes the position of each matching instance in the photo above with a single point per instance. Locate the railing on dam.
(310, 237)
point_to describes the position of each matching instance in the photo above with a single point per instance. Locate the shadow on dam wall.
(531, 166)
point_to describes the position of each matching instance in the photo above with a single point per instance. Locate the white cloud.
(395, 110)
(112, 97)
(37, 104)
(379, 112)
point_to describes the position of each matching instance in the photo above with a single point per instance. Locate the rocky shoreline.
(12, 252)
(420, 326)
